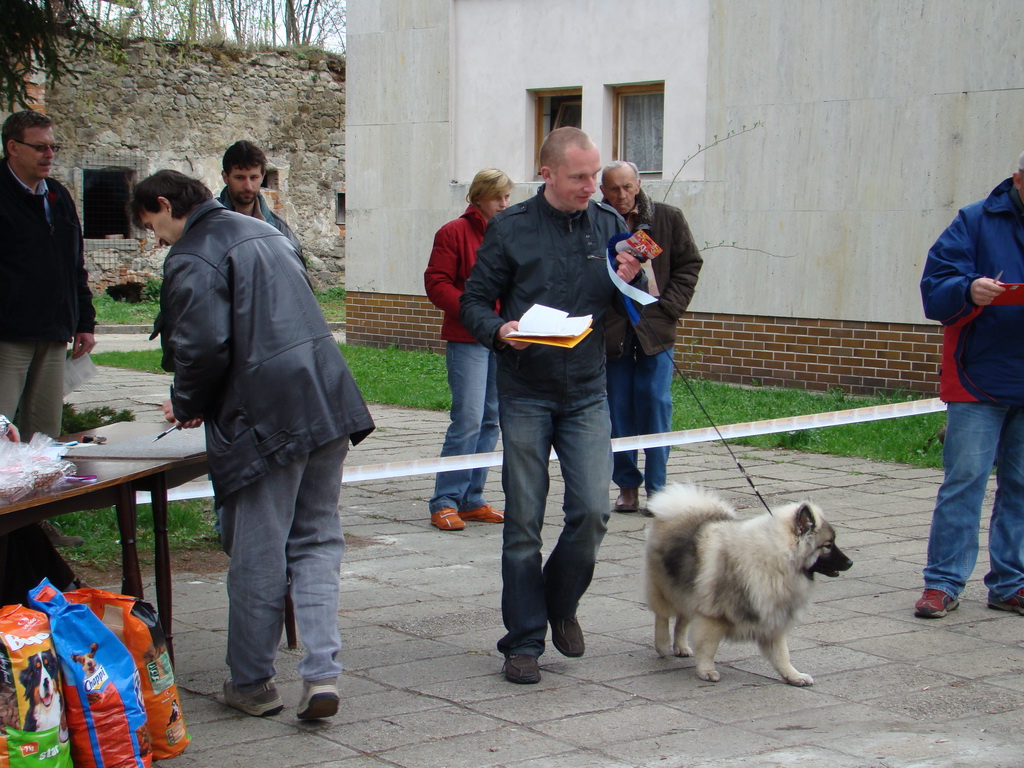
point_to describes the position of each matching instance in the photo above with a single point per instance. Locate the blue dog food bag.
(102, 691)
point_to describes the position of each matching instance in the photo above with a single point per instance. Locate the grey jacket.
(251, 350)
(535, 254)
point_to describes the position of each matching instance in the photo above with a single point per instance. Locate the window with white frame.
(639, 125)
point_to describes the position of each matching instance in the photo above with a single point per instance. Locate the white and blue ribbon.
(628, 291)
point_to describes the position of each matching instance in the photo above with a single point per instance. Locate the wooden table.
(119, 474)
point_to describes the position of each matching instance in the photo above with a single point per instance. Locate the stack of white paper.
(539, 320)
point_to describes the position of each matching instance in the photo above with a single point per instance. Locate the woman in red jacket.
(458, 494)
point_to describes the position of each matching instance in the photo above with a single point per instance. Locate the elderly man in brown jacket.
(640, 358)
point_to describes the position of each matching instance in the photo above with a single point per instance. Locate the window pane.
(642, 118)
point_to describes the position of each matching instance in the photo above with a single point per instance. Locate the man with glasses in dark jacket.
(43, 282)
(254, 359)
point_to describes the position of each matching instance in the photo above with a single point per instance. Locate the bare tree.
(46, 36)
(318, 23)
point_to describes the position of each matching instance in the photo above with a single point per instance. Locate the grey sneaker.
(260, 702)
(319, 699)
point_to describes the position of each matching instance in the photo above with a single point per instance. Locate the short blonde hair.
(488, 184)
(552, 151)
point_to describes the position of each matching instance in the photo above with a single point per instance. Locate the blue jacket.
(982, 353)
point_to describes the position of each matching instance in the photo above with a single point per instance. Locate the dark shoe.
(521, 669)
(319, 699)
(261, 702)
(628, 501)
(1015, 604)
(567, 637)
(934, 604)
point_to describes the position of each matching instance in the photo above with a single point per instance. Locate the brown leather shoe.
(628, 501)
(522, 669)
(567, 637)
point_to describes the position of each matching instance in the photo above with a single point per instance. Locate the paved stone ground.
(420, 617)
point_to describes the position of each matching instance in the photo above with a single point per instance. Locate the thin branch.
(700, 149)
(722, 244)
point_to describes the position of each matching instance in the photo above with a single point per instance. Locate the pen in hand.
(166, 432)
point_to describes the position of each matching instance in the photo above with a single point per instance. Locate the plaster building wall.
(823, 146)
(156, 106)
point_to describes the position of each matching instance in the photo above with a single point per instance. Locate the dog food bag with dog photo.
(102, 690)
(135, 623)
(32, 726)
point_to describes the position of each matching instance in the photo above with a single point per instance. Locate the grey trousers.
(32, 384)
(286, 526)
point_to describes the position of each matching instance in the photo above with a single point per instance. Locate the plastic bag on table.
(31, 466)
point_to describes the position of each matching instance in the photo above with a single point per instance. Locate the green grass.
(419, 380)
(909, 440)
(332, 302)
(190, 526)
(111, 312)
(147, 360)
(397, 377)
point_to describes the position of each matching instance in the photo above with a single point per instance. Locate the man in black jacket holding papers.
(550, 250)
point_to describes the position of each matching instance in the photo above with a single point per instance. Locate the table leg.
(131, 575)
(163, 557)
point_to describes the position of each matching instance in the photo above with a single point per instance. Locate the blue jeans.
(580, 433)
(473, 428)
(284, 531)
(978, 435)
(640, 401)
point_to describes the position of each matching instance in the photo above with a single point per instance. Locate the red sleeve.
(440, 278)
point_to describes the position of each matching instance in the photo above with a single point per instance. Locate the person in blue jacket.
(968, 286)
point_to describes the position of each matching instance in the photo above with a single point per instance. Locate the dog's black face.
(830, 563)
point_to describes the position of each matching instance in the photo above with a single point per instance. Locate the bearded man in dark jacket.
(640, 358)
(254, 359)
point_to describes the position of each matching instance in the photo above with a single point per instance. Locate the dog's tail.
(676, 500)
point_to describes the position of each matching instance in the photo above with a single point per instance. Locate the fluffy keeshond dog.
(727, 578)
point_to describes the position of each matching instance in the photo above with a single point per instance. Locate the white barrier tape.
(408, 468)
(787, 424)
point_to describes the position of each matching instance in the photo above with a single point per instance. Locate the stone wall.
(152, 106)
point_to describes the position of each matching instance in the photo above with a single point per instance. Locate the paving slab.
(420, 616)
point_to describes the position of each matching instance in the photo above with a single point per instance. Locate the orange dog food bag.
(135, 623)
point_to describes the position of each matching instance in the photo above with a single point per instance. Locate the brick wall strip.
(804, 353)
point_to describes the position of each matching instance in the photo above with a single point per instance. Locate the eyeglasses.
(40, 148)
